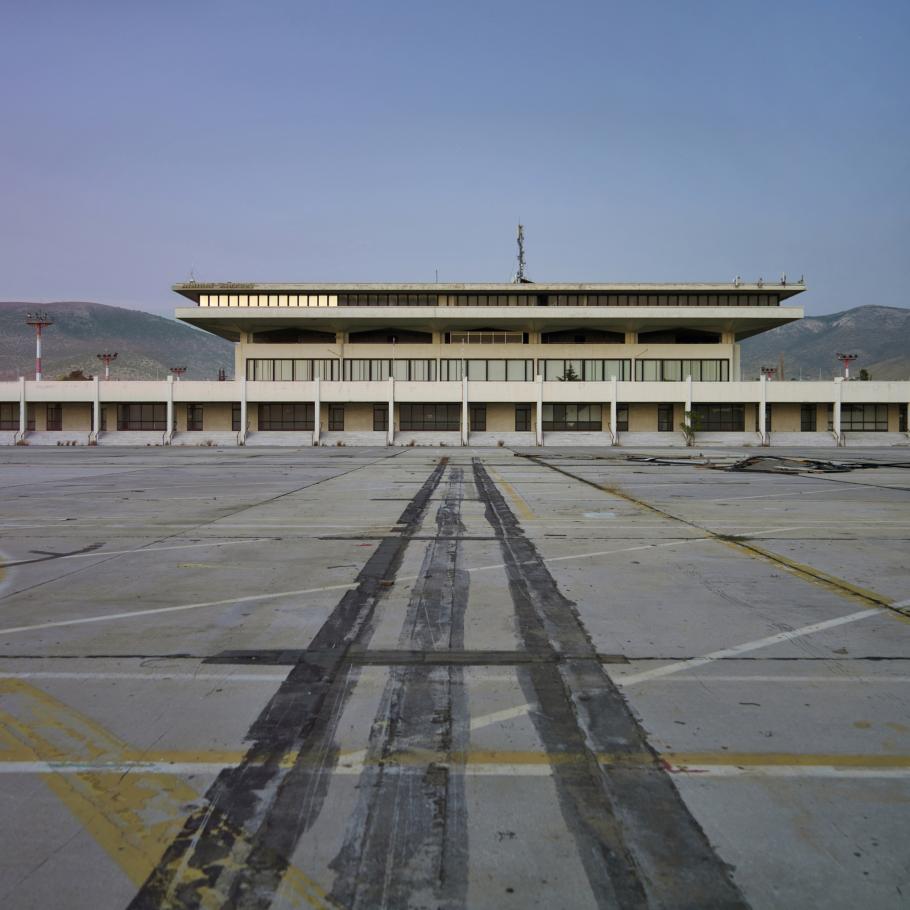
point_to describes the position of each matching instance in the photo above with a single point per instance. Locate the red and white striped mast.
(39, 321)
(106, 359)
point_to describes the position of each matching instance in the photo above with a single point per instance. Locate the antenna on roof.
(520, 277)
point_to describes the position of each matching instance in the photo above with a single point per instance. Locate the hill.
(146, 345)
(880, 335)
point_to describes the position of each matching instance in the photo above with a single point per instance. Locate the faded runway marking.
(745, 648)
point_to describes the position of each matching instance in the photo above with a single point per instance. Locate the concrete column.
(317, 412)
(23, 409)
(169, 425)
(465, 425)
(539, 414)
(390, 433)
(762, 409)
(688, 393)
(838, 398)
(631, 338)
(241, 435)
(614, 431)
(96, 408)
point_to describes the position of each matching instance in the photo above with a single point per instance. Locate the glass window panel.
(477, 370)
(496, 370)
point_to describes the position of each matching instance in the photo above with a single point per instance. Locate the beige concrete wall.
(358, 417)
(785, 418)
(77, 417)
(501, 417)
(642, 418)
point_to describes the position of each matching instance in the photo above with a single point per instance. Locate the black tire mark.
(408, 834)
(234, 850)
(638, 842)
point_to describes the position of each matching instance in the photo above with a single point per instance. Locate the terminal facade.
(470, 364)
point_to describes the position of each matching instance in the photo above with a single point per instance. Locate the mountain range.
(148, 346)
(879, 335)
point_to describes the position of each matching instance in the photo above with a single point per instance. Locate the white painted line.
(736, 650)
(253, 598)
(787, 680)
(822, 771)
(143, 550)
(153, 677)
(771, 495)
(132, 614)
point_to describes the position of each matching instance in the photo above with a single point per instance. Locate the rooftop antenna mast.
(520, 277)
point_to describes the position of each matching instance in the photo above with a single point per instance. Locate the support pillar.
(838, 398)
(317, 409)
(539, 415)
(464, 410)
(687, 409)
(614, 430)
(169, 425)
(763, 409)
(241, 433)
(96, 410)
(23, 410)
(390, 432)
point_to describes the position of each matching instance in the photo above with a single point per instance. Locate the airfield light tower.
(769, 372)
(846, 360)
(107, 359)
(178, 372)
(39, 321)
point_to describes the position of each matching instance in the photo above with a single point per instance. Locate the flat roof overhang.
(192, 289)
(229, 322)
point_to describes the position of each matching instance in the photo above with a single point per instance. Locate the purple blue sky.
(336, 141)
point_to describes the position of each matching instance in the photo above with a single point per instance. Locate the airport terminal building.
(470, 364)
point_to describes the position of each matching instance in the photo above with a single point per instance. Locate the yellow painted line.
(865, 596)
(133, 814)
(520, 503)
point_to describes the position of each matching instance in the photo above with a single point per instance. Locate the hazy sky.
(333, 141)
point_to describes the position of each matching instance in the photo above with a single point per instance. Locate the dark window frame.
(380, 418)
(194, 418)
(563, 417)
(808, 418)
(336, 417)
(477, 418)
(142, 417)
(53, 417)
(287, 416)
(436, 416)
(522, 418)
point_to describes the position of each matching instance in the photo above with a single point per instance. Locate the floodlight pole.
(846, 360)
(178, 372)
(39, 321)
(107, 359)
(768, 372)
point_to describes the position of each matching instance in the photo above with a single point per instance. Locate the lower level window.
(807, 418)
(9, 416)
(429, 416)
(868, 418)
(142, 417)
(902, 419)
(380, 417)
(622, 418)
(665, 418)
(522, 418)
(235, 416)
(572, 417)
(194, 417)
(720, 418)
(336, 416)
(286, 416)
(478, 417)
(54, 417)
